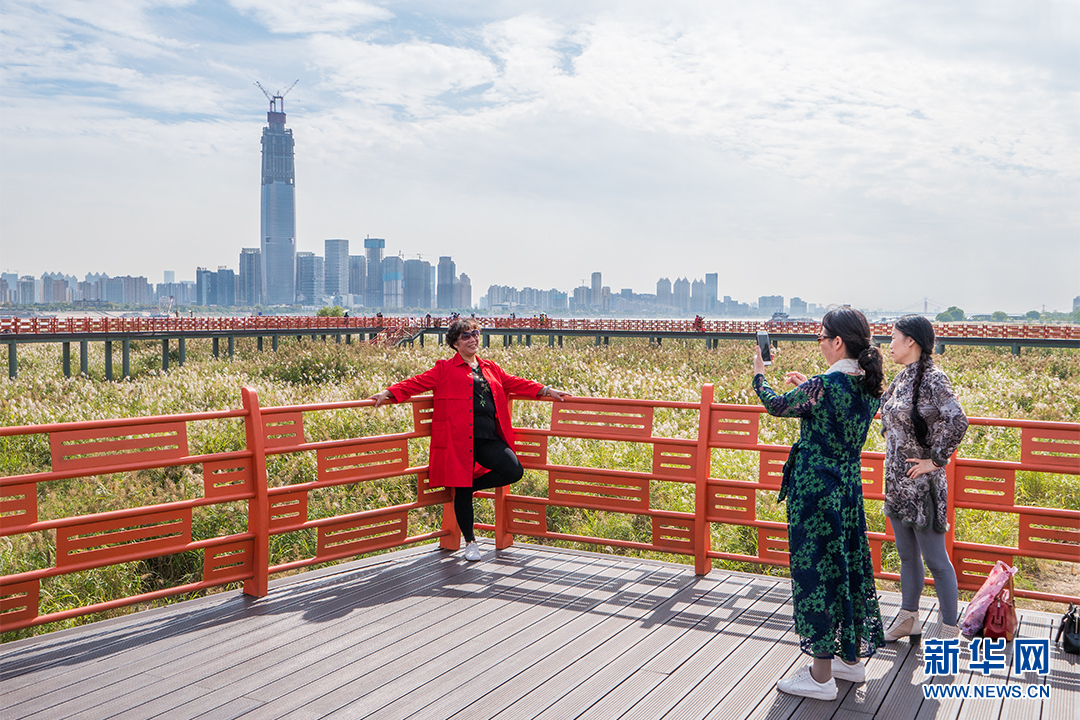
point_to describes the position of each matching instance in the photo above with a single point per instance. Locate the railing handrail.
(103, 447)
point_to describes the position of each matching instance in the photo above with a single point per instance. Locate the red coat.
(451, 459)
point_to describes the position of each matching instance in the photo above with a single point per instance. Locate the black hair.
(921, 331)
(458, 326)
(851, 326)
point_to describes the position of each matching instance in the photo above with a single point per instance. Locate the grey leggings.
(915, 545)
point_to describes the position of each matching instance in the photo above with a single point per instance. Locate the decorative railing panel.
(664, 468)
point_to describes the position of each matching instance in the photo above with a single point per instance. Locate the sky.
(873, 153)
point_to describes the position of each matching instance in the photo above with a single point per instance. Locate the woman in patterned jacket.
(832, 575)
(923, 425)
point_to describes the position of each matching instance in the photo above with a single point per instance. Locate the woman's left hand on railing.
(551, 392)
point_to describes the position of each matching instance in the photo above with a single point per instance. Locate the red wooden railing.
(293, 323)
(105, 447)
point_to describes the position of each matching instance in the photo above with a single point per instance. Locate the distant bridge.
(399, 330)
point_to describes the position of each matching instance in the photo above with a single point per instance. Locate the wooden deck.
(529, 632)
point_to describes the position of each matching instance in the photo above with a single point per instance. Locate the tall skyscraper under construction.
(278, 239)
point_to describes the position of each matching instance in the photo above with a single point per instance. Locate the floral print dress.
(832, 575)
(921, 501)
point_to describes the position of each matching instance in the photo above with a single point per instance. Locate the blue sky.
(871, 153)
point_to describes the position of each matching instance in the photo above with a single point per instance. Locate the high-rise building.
(463, 292)
(225, 287)
(663, 292)
(712, 288)
(278, 220)
(798, 307)
(596, 290)
(444, 291)
(357, 276)
(114, 290)
(769, 304)
(393, 282)
(204, 287)
(373, 288)
(336, 261)
(681, 291)
(170, 276)
(250, 277)
(310, 280)
(417, 284)
(581, 297)
(697, 296)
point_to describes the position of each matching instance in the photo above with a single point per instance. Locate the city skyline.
(915, 150)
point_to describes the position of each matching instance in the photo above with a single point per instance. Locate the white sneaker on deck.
(472, 552)
(803, 684)
(853, 673)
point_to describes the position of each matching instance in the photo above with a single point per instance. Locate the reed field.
(1038, 384)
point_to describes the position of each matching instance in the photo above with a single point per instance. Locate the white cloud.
(312, 16)
(411, 74)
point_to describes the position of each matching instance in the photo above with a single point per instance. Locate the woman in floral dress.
(832, 576)
(923, 424)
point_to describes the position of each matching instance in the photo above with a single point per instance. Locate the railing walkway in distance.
(268, 324)
(266, 509)
(399, 330)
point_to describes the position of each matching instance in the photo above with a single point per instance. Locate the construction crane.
(275, 105)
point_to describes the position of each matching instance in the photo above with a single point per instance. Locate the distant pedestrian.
(472, 440)
(832, 576)
(923, 424)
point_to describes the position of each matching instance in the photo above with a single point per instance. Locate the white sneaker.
(853, 673)
(472, 552)
(803, 684)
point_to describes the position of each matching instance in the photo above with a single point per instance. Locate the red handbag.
(1000, 619)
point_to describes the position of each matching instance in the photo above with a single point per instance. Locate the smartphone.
(766, 349)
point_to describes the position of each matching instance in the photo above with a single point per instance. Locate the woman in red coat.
(471, 435)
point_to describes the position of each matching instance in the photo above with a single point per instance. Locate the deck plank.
(570, 683)
(528, 632)
(708, 600)
(301, 688)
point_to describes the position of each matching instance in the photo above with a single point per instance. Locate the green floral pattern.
(832, 575)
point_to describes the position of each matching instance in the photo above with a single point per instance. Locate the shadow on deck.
(529, 632)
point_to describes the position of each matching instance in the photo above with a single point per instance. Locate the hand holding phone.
(766, 348)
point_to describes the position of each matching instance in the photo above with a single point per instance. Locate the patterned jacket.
(920, 501)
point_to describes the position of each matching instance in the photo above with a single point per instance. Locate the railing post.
(259, 505)
(702, 529)
(503, 537)
(451, 541)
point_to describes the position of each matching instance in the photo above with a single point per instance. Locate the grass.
(1039, 384)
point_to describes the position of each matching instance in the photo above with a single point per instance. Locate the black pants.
(505, 468)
